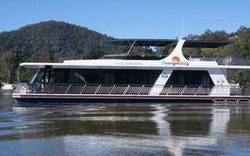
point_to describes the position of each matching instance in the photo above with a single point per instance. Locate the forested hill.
(62, 39)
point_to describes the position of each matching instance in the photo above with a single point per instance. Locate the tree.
(219, 35)
(49, 55)
(241, 46)
(241, 49)
(19, 57)
(10, 61)
(8, 65)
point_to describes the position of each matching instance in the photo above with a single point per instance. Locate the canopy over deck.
(165, 42)
(174, 60)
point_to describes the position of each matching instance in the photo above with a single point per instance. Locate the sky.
(131, 18)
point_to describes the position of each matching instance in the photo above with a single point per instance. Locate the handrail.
(129, 89)
(227, 61)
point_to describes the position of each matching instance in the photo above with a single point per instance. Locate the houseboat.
(123, 78)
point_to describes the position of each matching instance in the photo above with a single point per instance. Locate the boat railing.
(226, 61)
(221, 60)
(126, 89)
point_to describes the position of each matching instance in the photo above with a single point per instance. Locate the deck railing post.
(140, 89)
(67, 90)
(112, 89)
(183, 90)
(98, 88)
(203, 58)
(169, 90)
(197, 90)
(216, 58)
(126, 90)
(83, 88)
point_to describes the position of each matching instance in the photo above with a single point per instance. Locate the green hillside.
(64, 39)
(48, 41)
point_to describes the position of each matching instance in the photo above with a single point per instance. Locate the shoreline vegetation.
(53, 41)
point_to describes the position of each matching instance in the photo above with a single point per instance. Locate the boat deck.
(125, 93)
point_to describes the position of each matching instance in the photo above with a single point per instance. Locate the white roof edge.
(146, 65)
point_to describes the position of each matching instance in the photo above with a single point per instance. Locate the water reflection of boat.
(168, 136)
(125, 78)
(239, 121)
(130, 127)
(188, 130)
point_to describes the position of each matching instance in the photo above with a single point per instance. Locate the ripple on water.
(111, 129)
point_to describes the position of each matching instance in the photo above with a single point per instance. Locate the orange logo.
(175, 59)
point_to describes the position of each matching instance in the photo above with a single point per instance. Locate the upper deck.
(174, 60)
(228, 61)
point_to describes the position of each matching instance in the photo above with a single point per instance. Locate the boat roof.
(175, 60)
(131, 64)
(165, 42)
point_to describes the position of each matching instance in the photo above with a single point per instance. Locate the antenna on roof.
(183, 25)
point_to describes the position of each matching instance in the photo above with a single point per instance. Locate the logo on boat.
(175, 59)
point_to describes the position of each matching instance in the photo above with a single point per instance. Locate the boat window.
(183, 77)
(36, 77)
(60, 76)
(104, 76)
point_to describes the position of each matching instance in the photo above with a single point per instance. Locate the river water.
(124, 129)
